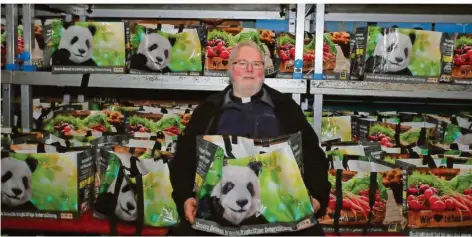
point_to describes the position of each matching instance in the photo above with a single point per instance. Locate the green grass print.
(185, 53)
(108, 41)
(54, 182)
(426, 55)
(283, 193)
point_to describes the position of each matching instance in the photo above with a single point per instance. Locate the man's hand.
(190, 209)
(316, 205)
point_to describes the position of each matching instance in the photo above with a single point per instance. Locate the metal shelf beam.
(386, 89)
(163, 82)
(385, 17)
(203, 11)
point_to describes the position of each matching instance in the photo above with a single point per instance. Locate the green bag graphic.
(52, 185)
(248, 187)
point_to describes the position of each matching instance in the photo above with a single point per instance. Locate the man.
(251, 109)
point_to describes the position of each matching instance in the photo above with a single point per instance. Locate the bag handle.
(228, 146)
(429, 161)
(112, 218)
(339, 201)
(373, 186)
(140, 205)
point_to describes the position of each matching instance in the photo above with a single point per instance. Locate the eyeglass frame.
(252, 63)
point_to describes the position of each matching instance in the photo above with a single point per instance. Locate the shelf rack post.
(297, 27)
(7, 89)
(27, 90)
(318, 74)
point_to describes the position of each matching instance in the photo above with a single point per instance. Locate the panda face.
(78, 41)
(126, 207)
(396, 49)
(239, 192)
(16, 180)
(156, 49)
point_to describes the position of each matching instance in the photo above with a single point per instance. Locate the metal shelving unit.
(298, 22)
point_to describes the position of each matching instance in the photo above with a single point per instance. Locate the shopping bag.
(247, 187)
(136, 188)
(46, 181)
(366, 195)
(439, 194)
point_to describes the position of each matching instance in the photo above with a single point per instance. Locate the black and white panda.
(392, 53)
(235, 200)
(76, 46)
(16, 183)
(126, 205)
(153, 54)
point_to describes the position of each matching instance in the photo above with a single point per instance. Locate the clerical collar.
(259, 96)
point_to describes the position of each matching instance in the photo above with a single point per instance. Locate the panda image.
(392, 53)
(16, 183)
(235, 200)
(126, 205)
(75, 47)
(153, 54)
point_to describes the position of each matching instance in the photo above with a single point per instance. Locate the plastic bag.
(248, 187)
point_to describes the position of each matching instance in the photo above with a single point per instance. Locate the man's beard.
(247, 90)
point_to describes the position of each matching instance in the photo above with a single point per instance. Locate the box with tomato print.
(440, 197)
(336, 55)
(366, 194)
(285, 53)
(220, 41)
(462, 59)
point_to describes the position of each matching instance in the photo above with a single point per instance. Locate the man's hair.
(235, 50)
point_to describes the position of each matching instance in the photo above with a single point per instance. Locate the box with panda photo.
(400, 54)
(220, 41)
(250, 187)
(165, 47)
(47, 185)
(87, 47)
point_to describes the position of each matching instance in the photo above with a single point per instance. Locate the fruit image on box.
(88, 47)
(336, 55)
(221, 40)
(439, 198)
(162, 47)
(462, 59)
(285, 52)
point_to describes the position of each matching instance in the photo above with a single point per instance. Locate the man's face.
(247, 81)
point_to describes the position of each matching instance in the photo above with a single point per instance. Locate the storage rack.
(299, 21)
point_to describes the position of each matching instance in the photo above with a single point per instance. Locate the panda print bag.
(136, 188)
(247, 187)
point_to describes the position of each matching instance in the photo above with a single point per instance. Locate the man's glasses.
(242, 64)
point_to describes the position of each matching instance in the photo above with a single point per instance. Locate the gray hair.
(235, 50)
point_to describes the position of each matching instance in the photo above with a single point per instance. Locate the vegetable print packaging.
(439, 194)
(136, 188)
(366, 196)
(249, 187)
(220, 41)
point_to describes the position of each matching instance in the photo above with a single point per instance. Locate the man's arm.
(315, 165)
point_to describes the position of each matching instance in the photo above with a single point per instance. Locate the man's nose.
(249, 67)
